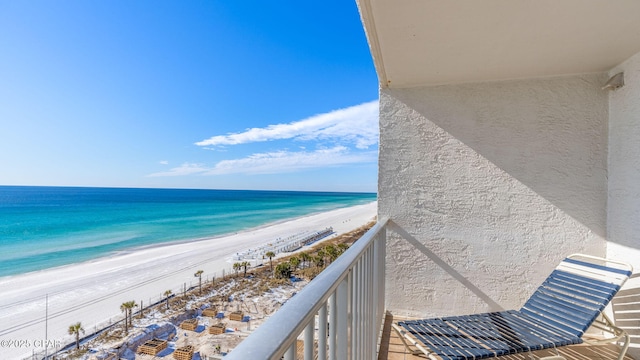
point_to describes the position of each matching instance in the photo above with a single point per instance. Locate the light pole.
(46, 325)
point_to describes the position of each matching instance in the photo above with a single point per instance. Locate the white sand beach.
(92, 292)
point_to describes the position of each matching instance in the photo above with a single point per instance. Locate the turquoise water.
(43, 227)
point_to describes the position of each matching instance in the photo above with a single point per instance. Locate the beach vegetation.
(130, 305)
(306, 258)
(295, 262)
(123, 308)
(331, 252)
(283, 270)
(265, 280)
(319, 259)
(76, 329)
(127, 308)
(167, 294)
(270, 255)
(245, 265)
(311, 272)
(198, 274)
(321, 253)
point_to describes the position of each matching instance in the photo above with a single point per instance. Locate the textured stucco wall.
(500, 180)
(623, 222)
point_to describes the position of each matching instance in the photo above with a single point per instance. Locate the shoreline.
(92, 291)
(214, 237)
(124, 252)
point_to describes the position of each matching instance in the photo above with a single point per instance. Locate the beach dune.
(41, 305)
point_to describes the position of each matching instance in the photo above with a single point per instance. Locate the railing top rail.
(275, 336)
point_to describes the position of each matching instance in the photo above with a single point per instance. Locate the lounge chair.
(558, 313)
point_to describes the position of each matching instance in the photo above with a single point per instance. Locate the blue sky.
(187, 94)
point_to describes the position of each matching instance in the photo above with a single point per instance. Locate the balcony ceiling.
(430, 42)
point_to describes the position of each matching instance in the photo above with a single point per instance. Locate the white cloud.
(285, 161)
(342, 137)
(163, 162)
(277, 162)
(356, 125)
(184, 169)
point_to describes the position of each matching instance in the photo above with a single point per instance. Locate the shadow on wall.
(626, 312)
(549, 134)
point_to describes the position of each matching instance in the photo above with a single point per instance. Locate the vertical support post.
(380, 246)
(363, 330)
(322, 333)
(353, 301)
(383, 275)
(376, 288)
(291, 352)
(368, 308)
(374, 303)
(375, 330)
(361, 301)
(308, 340)
(342, 315)
(333, 325)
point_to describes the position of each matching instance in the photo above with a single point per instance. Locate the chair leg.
(620, 335)
(401, 334)
(557, 356)
(625, 346)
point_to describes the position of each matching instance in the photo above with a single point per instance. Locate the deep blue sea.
(43, 227)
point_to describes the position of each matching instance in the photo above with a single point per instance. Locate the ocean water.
(43, 227)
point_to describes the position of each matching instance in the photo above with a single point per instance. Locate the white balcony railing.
(338, 315)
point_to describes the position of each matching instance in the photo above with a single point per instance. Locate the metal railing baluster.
(322, 333)
(308, 340)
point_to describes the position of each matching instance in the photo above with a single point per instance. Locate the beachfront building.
(507, 142)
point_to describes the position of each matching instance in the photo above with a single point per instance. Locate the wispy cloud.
(336, 138)
(276, 162)
(356, 125)
(184, 169)
(286, 161)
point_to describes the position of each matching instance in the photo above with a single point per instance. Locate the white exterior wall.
(624, 192)
(500, 180)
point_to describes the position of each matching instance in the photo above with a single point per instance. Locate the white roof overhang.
(432, 42)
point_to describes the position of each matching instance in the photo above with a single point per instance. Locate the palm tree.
(75, 329)
(332, 252)
(320, 254)
(167, 293)
(294, 261)
(126, 307)
(236, 267)
(198, 274)
(123, 308)
(270, 255)
(130, 305)
(283, 270)
(305, 257)
(245, 265)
